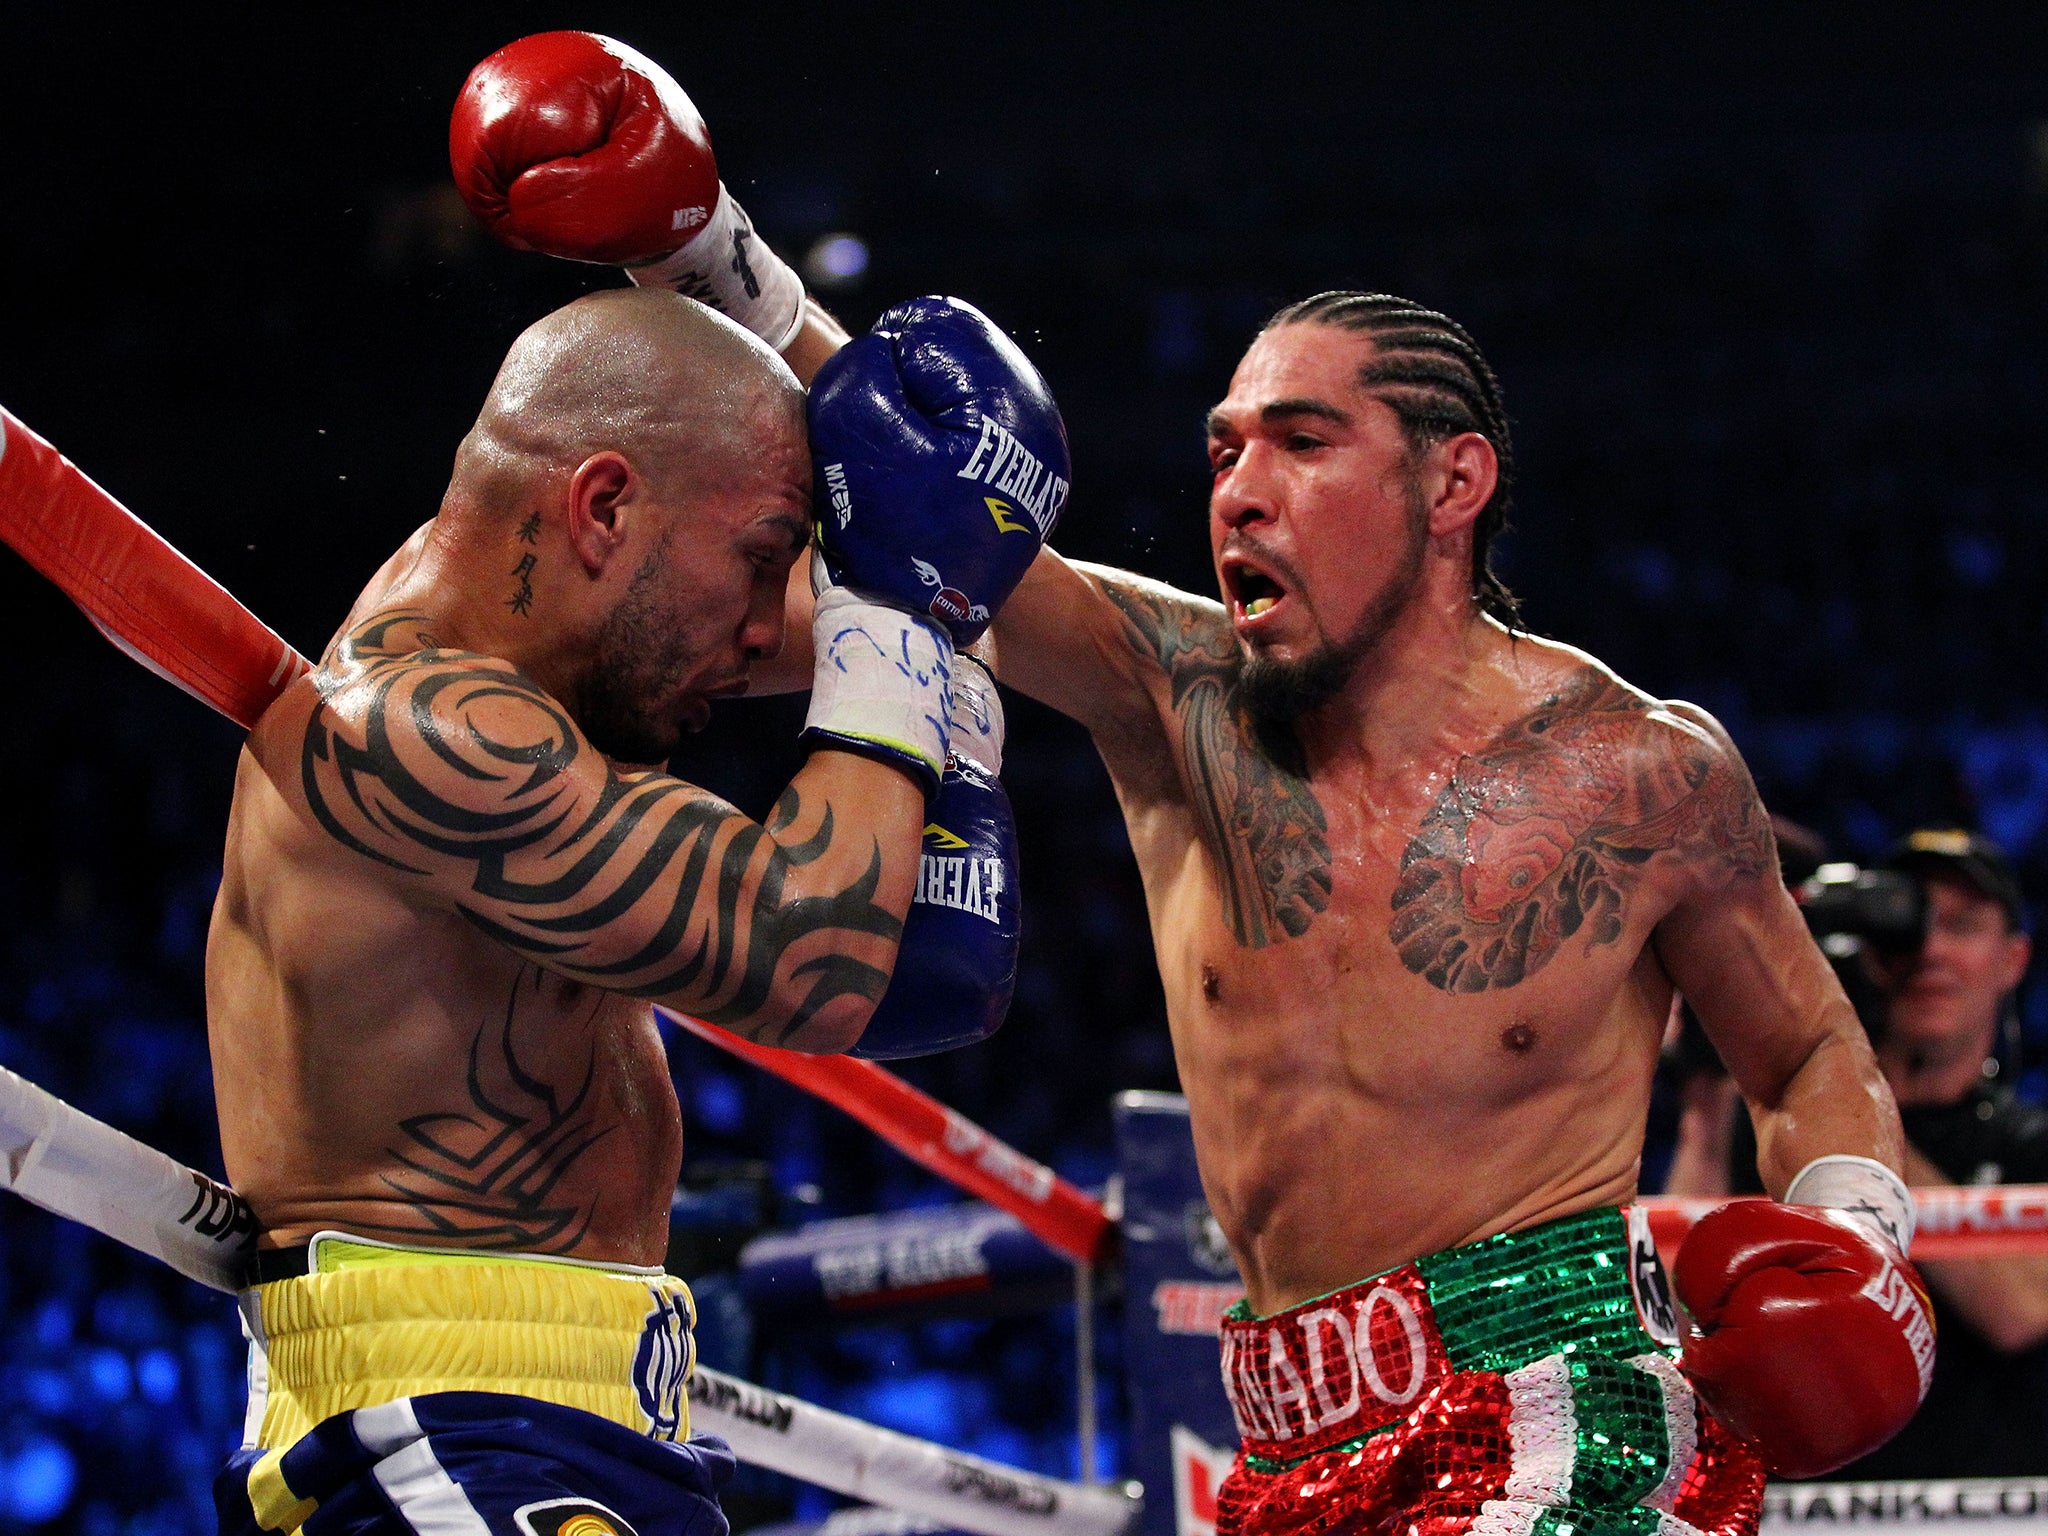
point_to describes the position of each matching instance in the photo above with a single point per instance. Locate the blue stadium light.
(837, 261)
(39, 1482)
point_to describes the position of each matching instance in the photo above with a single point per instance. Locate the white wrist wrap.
(730, 268)
(975, 726)
(1858, 1187)
(883, 677)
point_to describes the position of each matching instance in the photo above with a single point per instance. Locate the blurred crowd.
(1776, 400)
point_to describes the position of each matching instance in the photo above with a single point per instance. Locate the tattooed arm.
(465, 779)
(1738, 950)
(1154, 675)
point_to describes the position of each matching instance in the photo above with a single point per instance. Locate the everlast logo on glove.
(1003, 462)
(1899, 1296)
(960, 881)
(935, 394)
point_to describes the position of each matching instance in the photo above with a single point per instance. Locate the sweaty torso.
(1418, 1003)
(383, 1067)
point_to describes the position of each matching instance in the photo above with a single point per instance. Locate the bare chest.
(1482, 912)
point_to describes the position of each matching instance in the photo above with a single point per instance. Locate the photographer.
(1937, 998)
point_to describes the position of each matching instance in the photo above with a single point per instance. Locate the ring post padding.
(138, 591)
(925, 1131)
(789, 1435)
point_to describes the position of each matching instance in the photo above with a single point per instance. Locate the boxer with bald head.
(443, 854)
(456, 881)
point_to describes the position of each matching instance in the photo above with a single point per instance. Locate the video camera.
(1853, 912)
(1847, 907)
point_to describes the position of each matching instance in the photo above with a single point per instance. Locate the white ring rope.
(787, 1434)
(62, 1159)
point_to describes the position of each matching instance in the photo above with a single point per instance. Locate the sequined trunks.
(1512, 1387)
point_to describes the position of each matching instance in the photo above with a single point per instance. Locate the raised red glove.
(1813, 1341)
(575, 145)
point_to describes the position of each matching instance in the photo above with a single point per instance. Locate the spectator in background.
(1945, 1006)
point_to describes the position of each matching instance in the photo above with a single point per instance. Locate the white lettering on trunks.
(1315, 1324)
(1411, 1329)
(1269, 1394)
(1292, 1393)
(1248, 1403)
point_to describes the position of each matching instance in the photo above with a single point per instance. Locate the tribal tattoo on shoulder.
(1262, 822)
(444, 759)
(1541, 836)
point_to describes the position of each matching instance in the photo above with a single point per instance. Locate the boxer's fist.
(1813, 1341)
(940, 463)
(574, 145)
(957, 964)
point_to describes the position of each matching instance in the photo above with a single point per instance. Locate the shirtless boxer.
(451, 897)
(1421, 888)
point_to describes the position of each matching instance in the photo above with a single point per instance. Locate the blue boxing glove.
(941, 463)
(957, 963)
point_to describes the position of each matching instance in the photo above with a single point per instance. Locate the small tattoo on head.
(1519, 1038)
(529, 531)
(1212, 983)
(521, 599)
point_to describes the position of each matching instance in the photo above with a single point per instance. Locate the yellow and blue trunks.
(401, 1389)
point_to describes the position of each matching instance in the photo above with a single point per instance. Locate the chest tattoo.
(1541, 836)
(1261, 821)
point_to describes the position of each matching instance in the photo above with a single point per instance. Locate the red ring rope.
(140, 592)
(179, 622)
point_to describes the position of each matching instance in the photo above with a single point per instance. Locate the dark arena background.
(1766, 287)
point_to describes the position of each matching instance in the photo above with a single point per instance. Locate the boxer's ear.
(1459, 476)
(601, 489)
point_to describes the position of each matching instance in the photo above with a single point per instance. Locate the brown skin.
(1381, 1060)
(445, 910)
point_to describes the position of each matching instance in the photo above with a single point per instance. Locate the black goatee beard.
(1276, 694)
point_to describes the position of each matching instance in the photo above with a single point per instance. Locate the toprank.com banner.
(2012, 1506)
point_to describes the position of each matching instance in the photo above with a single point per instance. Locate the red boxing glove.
(1813, 1341)
(573, 145)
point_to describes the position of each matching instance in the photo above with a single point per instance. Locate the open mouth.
(1253, 592)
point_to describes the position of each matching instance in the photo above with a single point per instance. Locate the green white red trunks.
(1523, 1385)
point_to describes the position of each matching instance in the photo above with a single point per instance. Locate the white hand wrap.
(730, 268)
(975, 725)
(1861, 1188)
(883, 680)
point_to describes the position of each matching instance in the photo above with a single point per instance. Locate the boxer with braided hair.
(1432, 375)
(1422, 887)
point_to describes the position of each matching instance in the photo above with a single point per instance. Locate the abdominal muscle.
(1347, 1122)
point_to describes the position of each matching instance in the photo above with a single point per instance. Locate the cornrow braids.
(1430, 371)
